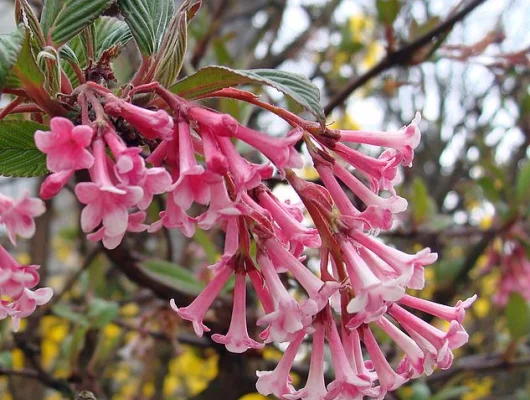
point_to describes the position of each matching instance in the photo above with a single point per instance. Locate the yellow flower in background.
(361, 27)
(478, 388)
(253, 396)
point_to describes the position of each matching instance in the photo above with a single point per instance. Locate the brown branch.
(402, 56)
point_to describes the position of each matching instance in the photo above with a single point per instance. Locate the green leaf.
(110, 32)
(19, 157)
(148, 21)
(517, 316)
(173, 48)
(10, 47)
(66, 312)
(387, 10)
(522, 187)
(420, 201)
(26, 68)
(172, 275)
(488, 187)
(102, 312)
(449, 393)
(25, 15)
(204, 240)
(63, 19)
(213, 78)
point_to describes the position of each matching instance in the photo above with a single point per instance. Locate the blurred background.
(109, 328)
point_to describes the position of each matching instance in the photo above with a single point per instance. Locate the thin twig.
(400, 57)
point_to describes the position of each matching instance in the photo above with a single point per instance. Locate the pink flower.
(402, 263)
(15, 282)
(197, 309)
(105, 202)
(382, 172)
(315, 388)
(18, 215)
(221, 206)
(157, 181)
(151, 124)
(404, 141)
(287, 317)
(54, 183)
(129, 166)
(371, 291)
(246, 174)
(388, 379)
(191, 184)
(65, 145)
(347, 384)
(319, 292)
(414, 357)
(278, 382)
(280, 151)
(134, 224)
(448, 313)
(174, 217)
(237, 339)
(291, 231)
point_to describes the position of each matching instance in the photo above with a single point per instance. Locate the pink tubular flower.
(246, 174)
(291, 230)
(237, 339)
(157, 181)
(278, 382)
(129, 166)
(388, 379)
(65, 145)
(287, 317)
(191, 185)
(315, 388)
(105, 202)
(18, 215)
(15, 283)
(54, 183)
(382, 172)
(151, 124)
(135, 224)
(404, 141)
(402, 263)
(347, 384)
(372, 290)
(220, 205)
(197, 309)
(318, 291)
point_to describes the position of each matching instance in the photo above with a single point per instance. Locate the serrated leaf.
(213, 78)
(102, 312)
(10, 47)
(522, 187)
(147, 20)
(517, 316)
(110, 32)
(172, 275)
(170, 57)
(25, 15)
(63, 19)
(387, 10)
(19, 157)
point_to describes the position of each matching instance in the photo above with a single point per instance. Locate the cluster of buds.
(16, 281)
(361, 283)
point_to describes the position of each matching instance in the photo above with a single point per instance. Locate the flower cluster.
(16, 281)
(192, 156)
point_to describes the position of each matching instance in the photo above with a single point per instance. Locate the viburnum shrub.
(122, 146)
